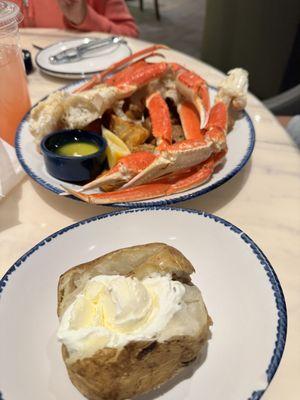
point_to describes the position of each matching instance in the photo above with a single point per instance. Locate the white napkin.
(11, 171)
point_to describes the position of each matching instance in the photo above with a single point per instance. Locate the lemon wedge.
(116, 148)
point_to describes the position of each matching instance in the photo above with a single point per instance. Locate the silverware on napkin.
(90, 47)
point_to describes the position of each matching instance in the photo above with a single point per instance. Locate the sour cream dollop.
(113, 310)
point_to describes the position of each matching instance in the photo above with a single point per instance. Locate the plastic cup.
(14, 96)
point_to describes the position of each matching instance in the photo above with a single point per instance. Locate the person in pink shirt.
(110, 16)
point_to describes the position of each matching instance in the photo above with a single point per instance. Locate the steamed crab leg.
(170, 157)
(142, 192)
(195, 90)
(141, 167)
(190, 120)
(217, 125)
(232, 94)
(160, 119)
(198, 175)
(98, 78)
(172, 185)
(139, 74)
(173, 158)
(191, 152)
(128, 167)
(180, 166)
(138, 54)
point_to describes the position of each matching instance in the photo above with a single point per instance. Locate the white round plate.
(240, 142)
(240, 289)
(85, 67)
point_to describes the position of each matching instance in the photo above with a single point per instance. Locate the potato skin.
(138, 261)
(138, 367)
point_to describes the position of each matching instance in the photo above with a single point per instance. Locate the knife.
(74, 54)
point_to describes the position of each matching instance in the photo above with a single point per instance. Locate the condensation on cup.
(14, 96)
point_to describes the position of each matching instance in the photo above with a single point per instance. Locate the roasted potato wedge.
(131, 132)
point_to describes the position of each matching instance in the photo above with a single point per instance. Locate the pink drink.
(14, 97)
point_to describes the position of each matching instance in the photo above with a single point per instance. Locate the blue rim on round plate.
(275, 286)
(188, 195)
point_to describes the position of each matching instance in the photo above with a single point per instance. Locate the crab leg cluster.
(173, 167)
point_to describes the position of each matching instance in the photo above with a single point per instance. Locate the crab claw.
(190, 120)
(194, 89)
(173, 158)
(127, 167)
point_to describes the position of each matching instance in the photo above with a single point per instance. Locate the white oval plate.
(85, 67)
(241, 291)
(240, 141)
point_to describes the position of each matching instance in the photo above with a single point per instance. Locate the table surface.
(263, 200)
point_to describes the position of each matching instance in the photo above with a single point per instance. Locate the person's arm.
(116, 19)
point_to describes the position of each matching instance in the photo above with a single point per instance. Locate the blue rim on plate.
(142, 204)
(264, 262)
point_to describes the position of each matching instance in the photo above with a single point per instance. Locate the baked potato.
(105, 372)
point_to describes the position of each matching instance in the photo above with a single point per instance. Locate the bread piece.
(46, 116)
(139, 366)
(63, 110)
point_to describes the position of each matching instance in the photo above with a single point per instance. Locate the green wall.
(254, 34)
